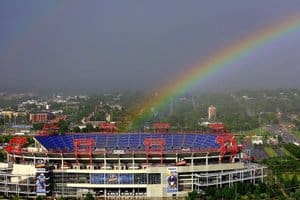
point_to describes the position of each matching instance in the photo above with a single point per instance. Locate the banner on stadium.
(172, 180)
(41, 179)
(41, 183)
(112, 178)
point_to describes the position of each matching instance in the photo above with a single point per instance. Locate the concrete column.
(62, 160)
(206, 178)
(133, 163)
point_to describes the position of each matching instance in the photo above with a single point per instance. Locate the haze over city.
(86, 46)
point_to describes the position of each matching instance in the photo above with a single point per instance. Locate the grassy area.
(258, 131)
(286, 152)
(289, 175)
(296, 133)
(270, 152)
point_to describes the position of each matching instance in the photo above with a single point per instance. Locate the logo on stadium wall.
(172, 180)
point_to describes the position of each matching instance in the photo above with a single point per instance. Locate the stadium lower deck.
(124, 165)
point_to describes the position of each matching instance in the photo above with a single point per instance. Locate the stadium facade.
(143, 165)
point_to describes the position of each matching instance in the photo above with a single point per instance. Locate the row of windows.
(108, 178)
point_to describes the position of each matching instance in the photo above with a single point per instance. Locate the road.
(286, 136)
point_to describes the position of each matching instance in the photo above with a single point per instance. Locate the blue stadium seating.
(130, 141)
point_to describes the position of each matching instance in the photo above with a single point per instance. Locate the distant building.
(257, 139)
(40, 117)
(278, 116)
(11, 114)
(293, 116)
(22, 127)
(95, 123)
(58, 118)
(107, 117)
(287, 125)
(212, 112)
(273, 141)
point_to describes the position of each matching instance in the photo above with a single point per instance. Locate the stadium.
(125, 165)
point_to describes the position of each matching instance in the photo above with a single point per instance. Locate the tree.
(296, 194)
(14, 198)
(2, 155)
(294, 181)
(38, 126)
(192, 195)
(89, 127)
(89, 196)
(76, 129)
(63, 126)
(39, 198)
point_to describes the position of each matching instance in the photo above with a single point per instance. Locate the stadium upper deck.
(130, 141)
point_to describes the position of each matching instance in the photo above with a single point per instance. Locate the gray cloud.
(102, 45)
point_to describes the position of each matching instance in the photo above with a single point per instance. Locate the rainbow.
(212, 64)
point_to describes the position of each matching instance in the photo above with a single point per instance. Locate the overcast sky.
(86, 46)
